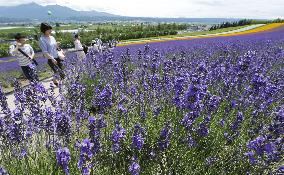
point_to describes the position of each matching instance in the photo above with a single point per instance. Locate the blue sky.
(262, 9)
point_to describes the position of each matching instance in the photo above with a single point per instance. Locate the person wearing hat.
(49, 47)
(79, 48)
(25, 55)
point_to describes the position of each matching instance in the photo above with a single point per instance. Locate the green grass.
(107, 26)
(67, 27)
(17, 29)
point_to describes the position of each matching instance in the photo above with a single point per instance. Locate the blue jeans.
(30, 73)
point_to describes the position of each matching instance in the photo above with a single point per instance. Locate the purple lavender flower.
(86, 155)
(63, 124)
(188, 120)
(101, 122)
(191, 143)
(3, 103)
(15, 133)
(143, 115)
(165, 136)
(137, 141)
(77, 145)
(3, 171)
(203, 130)
(122, 109)
(209, 161)
(138, 137)
(118, 135)
(23, 153)
(63, 158)
(270, 148)
(277, 127)
(156, 111)
(179, 86)
(257, 145)
(103, 99)
(281, 169)
(192, 97)
(49, 123)
(95, 126)
(233, 103)
(2, 127)
(251, 157)
(236, 124)
(214, 102)
(134, 168)
(222, 122)
(258, 81)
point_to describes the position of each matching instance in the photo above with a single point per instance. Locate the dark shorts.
(57, 68)
(30, 73)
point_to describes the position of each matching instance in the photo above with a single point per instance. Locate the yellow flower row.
(267, 27)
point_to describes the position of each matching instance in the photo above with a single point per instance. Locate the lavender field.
(196, 107)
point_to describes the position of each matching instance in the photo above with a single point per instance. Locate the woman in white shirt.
(79, 48)
(48, 46)
(95, 47)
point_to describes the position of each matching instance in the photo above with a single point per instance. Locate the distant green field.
(63, 27)
(191, 33)
(214, 31)
(17, 29)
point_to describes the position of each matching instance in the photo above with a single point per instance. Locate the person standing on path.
(79, 48)
(48, 46)
(25, 55)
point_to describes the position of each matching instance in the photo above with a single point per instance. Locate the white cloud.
(174, 8)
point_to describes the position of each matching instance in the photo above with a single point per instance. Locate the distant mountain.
(36, 11)
(156, 20)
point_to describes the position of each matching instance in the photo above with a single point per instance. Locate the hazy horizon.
(165, 8)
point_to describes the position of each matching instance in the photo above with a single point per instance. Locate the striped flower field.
(210, 105)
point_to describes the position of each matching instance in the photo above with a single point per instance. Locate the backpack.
(85, 49)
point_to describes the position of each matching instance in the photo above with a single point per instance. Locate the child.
(25, 55)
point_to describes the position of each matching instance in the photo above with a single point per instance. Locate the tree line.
(244, 22)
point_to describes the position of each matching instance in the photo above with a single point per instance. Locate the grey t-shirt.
(48, 45)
